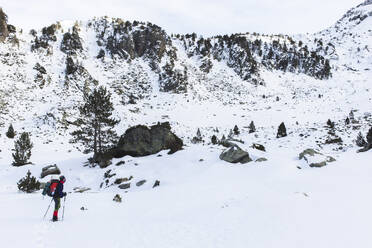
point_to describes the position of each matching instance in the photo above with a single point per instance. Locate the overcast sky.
(207, 17)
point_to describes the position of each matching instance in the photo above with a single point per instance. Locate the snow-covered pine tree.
(330, 123)
(198, 138)
(10, 133)
(236, 130)
(252, 128)
(347, 121)
(95, 125)
(22, 148)
(351, 115)
(214, 140)
(282, 131)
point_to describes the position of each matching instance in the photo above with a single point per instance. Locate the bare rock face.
(142, 141)
(235, 155)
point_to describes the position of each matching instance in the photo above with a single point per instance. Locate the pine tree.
(214, 140)
(198, 134)
(22, 148)
(95, 123)
(10, 133)
(282, 131)
(236, 130)
(198, 138)
(252, 128)
(351, 115)
(347, 121)
(28, 184)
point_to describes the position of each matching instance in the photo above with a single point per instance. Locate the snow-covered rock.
(235, 155)
(314, 158)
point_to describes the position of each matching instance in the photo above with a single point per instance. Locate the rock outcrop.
(235, 155)
(3, 25)
(142, 141)
(50, 170)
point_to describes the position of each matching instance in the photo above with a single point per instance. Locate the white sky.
(207, 17)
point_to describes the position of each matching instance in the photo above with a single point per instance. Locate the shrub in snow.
(156, 184)
(214, 140)
(252, 128)
(258, 147)
(330, 124)
(28, 184)
(282, 131)
(198, 138)
(10, 133)
(117, 198)
(236, 130)
(22, 148)
(360, 140)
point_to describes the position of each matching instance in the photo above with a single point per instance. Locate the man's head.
(62, 179)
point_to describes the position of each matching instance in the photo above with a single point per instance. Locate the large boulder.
(142, 141)
(314, 158)
(4, 32)
(50, 170)
(235, 155)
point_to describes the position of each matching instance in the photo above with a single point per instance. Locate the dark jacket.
(58, 193)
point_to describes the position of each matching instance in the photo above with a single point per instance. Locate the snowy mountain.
(193, 82)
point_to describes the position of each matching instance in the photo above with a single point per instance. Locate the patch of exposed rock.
(314, 158)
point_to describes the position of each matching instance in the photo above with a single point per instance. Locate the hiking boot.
(55, 218)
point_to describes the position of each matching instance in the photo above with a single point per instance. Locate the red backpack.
(50, 187)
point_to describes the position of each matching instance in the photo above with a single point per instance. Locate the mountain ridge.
(140, 62)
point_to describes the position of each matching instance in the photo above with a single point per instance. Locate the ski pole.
(48, 208)
(64, 203)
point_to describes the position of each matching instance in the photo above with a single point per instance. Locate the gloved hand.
(64, 193)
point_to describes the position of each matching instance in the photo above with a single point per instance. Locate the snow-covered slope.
(193, 82)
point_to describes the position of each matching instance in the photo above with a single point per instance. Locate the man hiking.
(58, 194)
